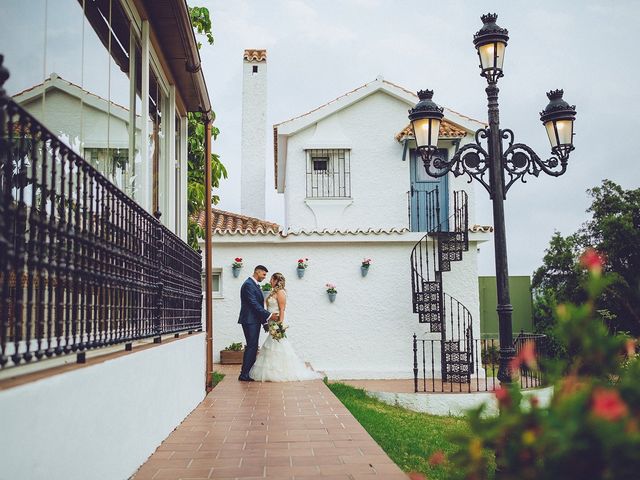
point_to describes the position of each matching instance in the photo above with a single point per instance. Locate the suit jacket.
(252, 309)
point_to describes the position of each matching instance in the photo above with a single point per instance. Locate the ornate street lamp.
(495, 167)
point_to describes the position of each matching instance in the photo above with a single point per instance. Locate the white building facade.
(353, 189)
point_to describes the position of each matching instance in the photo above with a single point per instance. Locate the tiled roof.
(447, 130)
(234, 223)
(481, 228)
(253, 55)
(353, 231)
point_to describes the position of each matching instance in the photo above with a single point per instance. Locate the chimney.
(254, 133)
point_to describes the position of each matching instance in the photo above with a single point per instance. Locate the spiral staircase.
(445, 242)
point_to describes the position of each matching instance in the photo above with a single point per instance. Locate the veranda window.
(328, 173)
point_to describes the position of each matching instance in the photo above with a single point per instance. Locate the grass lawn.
(216, 378)
(409, 438)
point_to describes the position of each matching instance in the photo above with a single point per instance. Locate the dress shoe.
(246, 379)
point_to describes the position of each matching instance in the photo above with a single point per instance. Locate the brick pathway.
(269, 430)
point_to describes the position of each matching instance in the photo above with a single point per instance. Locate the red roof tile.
(228, 222)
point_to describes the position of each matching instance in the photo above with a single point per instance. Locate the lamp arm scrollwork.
(519, 160)
(471, 159)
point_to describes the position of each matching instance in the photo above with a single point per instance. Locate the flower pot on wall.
(364, 270)
(332, 297)
(236, 271)
(301, 272)
(231, 357)
(266, 293)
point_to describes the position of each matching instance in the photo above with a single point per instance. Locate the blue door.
(428, 211)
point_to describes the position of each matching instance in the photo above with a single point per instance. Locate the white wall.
(380, 179)
(101, 421)
(457, 404)
(367, 332)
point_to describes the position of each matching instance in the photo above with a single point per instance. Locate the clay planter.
(301, 272)
(230, 357)
(332, 297)
(236, 271)
(364, 270)
(266, 293)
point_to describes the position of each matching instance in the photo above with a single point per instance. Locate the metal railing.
(428, 376)
(82, 265)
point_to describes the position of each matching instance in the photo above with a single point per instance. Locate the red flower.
(238, 259)
(416, 476)
(592, 260)
(437, 458)
(503, 397)
(608, 405)
(300, 260)
(526, 356)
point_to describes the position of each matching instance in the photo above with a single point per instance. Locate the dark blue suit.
(252, 316)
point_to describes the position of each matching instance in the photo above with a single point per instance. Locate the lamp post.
(495, 167)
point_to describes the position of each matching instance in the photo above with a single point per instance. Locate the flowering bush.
(237, 263)
(591, 427)
(331, 288)
(302, 262)
(366, 262)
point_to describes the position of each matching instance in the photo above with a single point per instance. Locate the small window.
(216, 282)
(255, 69)
(320, 164)
(328, 173)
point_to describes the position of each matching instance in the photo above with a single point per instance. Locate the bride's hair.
(279, 283)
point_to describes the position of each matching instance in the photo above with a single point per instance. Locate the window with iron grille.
(328, 173)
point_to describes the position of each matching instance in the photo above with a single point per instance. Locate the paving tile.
(251, 431)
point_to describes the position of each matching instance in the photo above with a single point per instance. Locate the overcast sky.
(318, 50)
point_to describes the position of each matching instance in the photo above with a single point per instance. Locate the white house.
(353, 189)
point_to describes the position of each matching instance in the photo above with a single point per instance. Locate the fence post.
(5, 198)
(160, 286)
(415, 363)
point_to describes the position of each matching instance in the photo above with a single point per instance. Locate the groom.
(252, 315)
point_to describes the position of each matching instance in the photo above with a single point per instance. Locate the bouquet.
(237, 263)
(277, 330)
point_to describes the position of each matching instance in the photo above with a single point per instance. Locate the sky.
(318, 50)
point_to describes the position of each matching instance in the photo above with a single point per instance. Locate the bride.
(277, 361)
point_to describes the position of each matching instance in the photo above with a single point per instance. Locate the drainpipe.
(208, 221)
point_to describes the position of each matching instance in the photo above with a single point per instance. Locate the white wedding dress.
(277, 360)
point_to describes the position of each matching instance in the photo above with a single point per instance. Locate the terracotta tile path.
(296, 430)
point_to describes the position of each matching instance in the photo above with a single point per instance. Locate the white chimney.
(254, 133)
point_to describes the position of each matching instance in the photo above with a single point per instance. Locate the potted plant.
(364, 268)
(232, 355)
(266, 289)
(302, 266)
(236, 266)
(332, 291)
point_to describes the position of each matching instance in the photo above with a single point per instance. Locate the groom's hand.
(266, 327)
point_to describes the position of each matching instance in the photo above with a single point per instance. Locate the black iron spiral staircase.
(445, 242)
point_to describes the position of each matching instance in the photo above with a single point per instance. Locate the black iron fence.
(482, 354)
(82, 265)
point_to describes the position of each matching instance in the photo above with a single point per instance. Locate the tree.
(614, 232)
(196, 140)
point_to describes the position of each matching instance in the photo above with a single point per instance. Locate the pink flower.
(592, 260)
(503, 397)
(526, 356)
(607, 404)
(437, 458)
